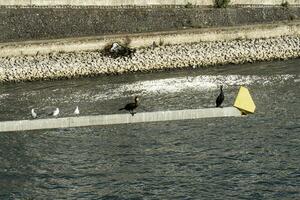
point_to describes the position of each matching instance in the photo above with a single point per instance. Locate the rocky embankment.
(68, 65)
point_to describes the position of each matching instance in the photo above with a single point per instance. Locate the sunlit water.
(253, 157)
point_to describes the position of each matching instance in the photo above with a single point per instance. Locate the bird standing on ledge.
(220, 98)
(76, 112)
(131, 106)
(33, 113)
(55, 112)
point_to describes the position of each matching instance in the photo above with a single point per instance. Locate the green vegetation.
(222, 3)
(161, 42)
(292, 17)
(126, 41)
(285, 4)
(188, 5)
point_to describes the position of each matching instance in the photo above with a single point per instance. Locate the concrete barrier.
(81, 121)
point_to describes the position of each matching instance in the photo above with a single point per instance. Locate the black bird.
(131, 106)
(220, 98)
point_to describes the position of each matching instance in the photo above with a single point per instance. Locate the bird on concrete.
(33, 113)
(55, 112)
(76, 112)
(131, 106)
(220, 98)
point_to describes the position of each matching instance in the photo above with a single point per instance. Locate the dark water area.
(252, 157)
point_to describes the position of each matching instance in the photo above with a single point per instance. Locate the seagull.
(220, 98)
(76, 112)
(33, 113)
(55, 112)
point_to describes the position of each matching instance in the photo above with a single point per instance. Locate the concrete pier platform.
(98, 120)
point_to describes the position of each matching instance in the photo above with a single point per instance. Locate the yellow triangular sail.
(244, 101)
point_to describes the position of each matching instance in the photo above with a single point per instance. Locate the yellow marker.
(244, 101)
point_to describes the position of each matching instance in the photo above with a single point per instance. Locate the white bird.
(55, 112)
(76, 112)
(33, 113)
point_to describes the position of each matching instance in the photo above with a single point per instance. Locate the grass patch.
(222, 3)
(188, 5)
(285, 4)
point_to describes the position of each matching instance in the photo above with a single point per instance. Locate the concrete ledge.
(147, 39)
(23, 125)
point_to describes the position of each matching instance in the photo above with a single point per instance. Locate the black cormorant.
(220, 98)
(131, 106)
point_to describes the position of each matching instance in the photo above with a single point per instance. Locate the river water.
(252, 157)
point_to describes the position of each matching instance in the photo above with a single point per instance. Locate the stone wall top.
(136, 2)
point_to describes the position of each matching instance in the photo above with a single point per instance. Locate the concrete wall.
(67, 122)
(20, 24)
(137, 2)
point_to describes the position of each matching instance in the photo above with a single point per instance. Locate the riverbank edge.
(147, 39)
(56, 55)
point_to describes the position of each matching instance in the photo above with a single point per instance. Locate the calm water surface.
(253, 157)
